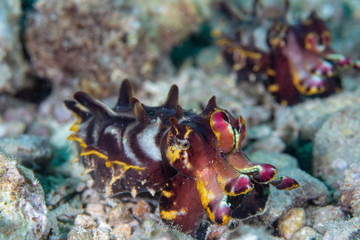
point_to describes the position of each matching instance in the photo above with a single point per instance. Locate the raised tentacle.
(126, 93)
(210, 106)
(80, 111)
(93, 105)
(171, 101)
(139, 111)
(179, 113)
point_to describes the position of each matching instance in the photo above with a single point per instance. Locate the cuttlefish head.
(205, 150)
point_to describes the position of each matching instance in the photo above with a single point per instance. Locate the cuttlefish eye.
(181, 144)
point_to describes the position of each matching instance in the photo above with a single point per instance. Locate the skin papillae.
(195, 160)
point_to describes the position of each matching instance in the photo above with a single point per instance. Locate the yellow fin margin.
(76, 138)
(94, 152)
(124, 165)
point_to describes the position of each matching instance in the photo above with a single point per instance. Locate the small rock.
(245, 232)
(20, 112)
(259, 132)
(23, 213)
(285, 124)
(60, 189)
(85, 221)
(344, 230)
(216, 232)
(311, 115)
(12, 128)
(150, 229)
(122, 231)
(95, 209)
(31, 151)
(141, 209)
(321, 218)
(336, 146)
(210, 59)
(13, 66)
(90, 196)
(270, 144)
(171, 236)
(350, 191)
(291, 221)
(60, 217)
(118, 215)
(255, 115)
(306, 233)
(101, 234)
(280, 160)
(80, 233)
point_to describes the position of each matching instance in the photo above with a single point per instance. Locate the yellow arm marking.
(166, 194)
(173, 154)
(124, 165)
(188, 131)
(74, 137)
(171, 215)
(274, 88)
(75, 126)
(270, 72)
(222, 181)
(94, 152)
(205, 197)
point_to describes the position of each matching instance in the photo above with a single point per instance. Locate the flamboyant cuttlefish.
(299, 63)
(195, 160)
